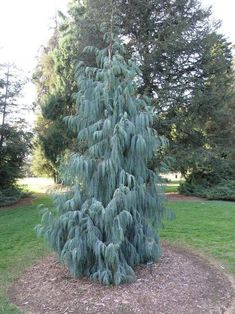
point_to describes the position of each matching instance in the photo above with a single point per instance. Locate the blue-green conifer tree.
(105, 224)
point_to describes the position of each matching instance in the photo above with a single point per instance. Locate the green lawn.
(171, 188)
(204, 226)
(207, 226)
(19, 245)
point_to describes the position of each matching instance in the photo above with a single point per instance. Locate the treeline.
(187, 69)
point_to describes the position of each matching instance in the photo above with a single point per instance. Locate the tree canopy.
(186, 68)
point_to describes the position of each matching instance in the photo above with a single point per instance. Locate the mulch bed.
(21, 203)
(179, 197)
(182, 283)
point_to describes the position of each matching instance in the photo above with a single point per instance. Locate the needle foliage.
(103, 226)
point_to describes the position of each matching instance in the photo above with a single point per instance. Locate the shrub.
(11, 195)
(222, 191)
(225, 190)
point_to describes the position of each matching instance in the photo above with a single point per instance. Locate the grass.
(171, 188)
(205, 226)
(19, 246)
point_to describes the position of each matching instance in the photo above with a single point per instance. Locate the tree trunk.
(5, 105)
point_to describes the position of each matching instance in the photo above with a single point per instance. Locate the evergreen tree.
(185, 64)
(103, 226)
(15, 140)
(10, 92)
(13, 153)
(40, 166)
(186, 67)
(55, 82)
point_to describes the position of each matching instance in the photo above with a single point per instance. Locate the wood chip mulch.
(174, 196)
(21, 203)
(182, 283)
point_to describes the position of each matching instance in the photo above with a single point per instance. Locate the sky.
(224, 11)
(25, 25)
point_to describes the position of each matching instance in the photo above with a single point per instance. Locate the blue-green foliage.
(102, 225)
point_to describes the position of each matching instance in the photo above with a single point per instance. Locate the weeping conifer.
(105, 224)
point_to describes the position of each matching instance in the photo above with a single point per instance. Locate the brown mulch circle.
(179, 197)
(181, 283)
(22, 202)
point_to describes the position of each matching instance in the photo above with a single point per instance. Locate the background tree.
(11, 86)
(40, 166)
(55, 82)
(186, 67)
(13, 153)
(55, 73)
(14, 138)
(213, 174)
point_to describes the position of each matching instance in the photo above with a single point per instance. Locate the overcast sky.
(224, 10)
(26, 24)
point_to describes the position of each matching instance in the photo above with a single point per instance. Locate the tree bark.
(5, 105)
